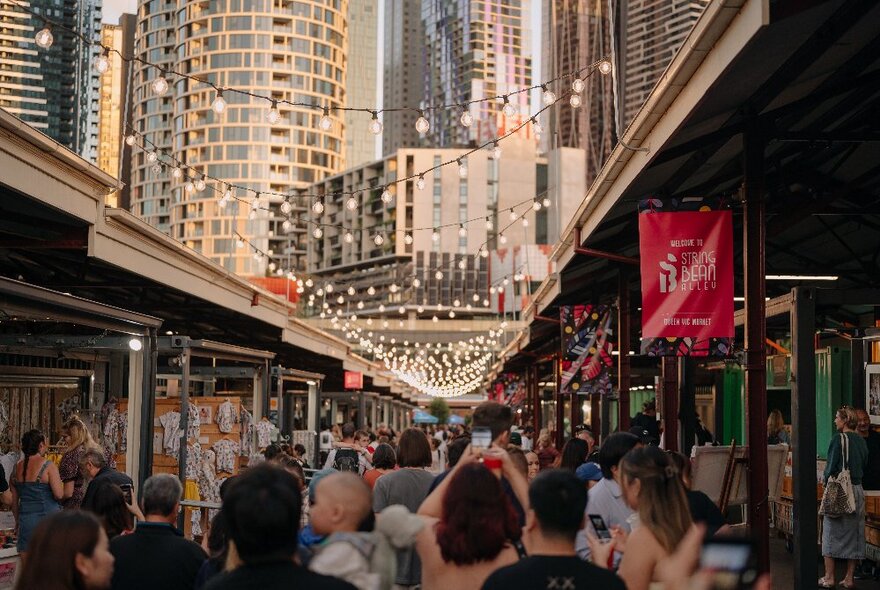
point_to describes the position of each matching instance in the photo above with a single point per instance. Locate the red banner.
(353, 380)
(687, 274)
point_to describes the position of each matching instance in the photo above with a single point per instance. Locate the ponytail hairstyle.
(662, 502)
(30, 446)
(78, 435)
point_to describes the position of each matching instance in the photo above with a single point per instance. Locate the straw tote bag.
(838, 498)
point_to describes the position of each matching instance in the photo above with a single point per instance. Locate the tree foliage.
(439, 409)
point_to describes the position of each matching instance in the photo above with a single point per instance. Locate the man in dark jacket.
(94, 465)
(647, 420)
(156, 555)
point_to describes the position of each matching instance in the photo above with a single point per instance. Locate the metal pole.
(670, 403)
(535, 392)
(595, 414)
(283, 425)
(574, 415)
(857, 364)
(803, 430)
(623, 360)
(148, 409)
(362, 410)
(754, 226)
(184, 425)
(560, 401)
(687, 403)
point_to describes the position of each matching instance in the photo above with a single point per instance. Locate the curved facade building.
(289, 50)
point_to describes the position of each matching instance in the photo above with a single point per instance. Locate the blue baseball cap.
(589, 472)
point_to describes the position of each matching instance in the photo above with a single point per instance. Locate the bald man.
(343, 501)
(871, 479)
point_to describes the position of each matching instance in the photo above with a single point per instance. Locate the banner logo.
(667, 274)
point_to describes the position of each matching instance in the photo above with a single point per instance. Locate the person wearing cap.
(516, 439)
(643, 435)
(589, 473)
(647, 420)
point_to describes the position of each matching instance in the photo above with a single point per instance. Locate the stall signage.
(353, 380)
(687, 274)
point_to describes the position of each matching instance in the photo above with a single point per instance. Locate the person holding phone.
(557, 500)
(94, 466)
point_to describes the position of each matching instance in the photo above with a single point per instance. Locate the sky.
(113, 8)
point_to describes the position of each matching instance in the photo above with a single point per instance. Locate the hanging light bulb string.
(604, 65)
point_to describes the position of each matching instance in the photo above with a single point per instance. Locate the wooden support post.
(803, 430)
(754, 229)
(560, 401)
(595, 413)
(687, 403)
(623, 360)
(670, 403)
(575, 416)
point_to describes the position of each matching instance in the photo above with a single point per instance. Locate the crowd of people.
(419, 508)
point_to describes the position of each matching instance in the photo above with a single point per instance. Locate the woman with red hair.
(471, 527)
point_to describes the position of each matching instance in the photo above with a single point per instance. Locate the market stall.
(60, 357)
(295, 407)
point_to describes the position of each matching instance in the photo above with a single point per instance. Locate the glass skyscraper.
(56, 89)
(286, 50)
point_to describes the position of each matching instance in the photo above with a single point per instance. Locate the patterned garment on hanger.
(226, 451)
(226, 416)
(193, 461)
(115, 431)
(193, 422)
(264, 433)
(68, 408)
(195, 520)
(247, 433)
(209, 488)
(171, 437)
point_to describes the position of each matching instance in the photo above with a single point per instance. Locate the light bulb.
(318, 232)
(102, 61)
(44, 38)
(222, 203)
(351, 204)
(462, 231)
(451, 314)
(152, 156)
(350, 291)
(286, 225)
(420, 309)
(502, 238)
(495, 152)
(340, 300)
(462, 264)
(382, 309)
(422, 125)
(348, 237)
(435, 235)
(200, 184)
(286, 207)
(393, 287)
(462, 168)
(176, 172)
(485, 303)
(310, 283)
(159, 86)
(420, 183)
(536, 206)
(130, 139)
(546, 202)
(466, 118)
(274, 115)
(435, 319)
(375, 125)
(386, 196)
(577, 85)
(190, 186)
(379, 239)
(407, 239)
(252, 214)
(476, 297)
(549, 97)
(508, 109)
(456, 303)
(416, 283)
(525, 222)
(484, 252)
(325, 122)
(438, 275)
(513, 215)
(401, 310)
(219, 104)
(157, 168)
(575, 101)
(605, 67)
(328, 287)
(318, 207)
(537, 127)
(371, 290)
(360, 305)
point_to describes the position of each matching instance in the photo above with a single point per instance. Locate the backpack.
(347, 460)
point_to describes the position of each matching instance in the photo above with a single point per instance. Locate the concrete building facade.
(403, 72)
(361, 80)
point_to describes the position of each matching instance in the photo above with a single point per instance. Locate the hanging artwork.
(686, 259)
(586, 348)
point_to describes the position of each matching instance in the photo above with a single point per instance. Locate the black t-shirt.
(275, 576)
(4, 485)
(540, 572)
(704, 510)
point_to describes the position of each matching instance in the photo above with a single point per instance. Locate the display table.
(9, 562)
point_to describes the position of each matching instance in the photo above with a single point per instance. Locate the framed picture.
(872, 393)
(206, 414)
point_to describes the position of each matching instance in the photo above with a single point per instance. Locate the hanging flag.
(586, 348)
(687, 282)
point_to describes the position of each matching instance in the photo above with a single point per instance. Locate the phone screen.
(730, 562)
(602, 530)
(481, 438)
